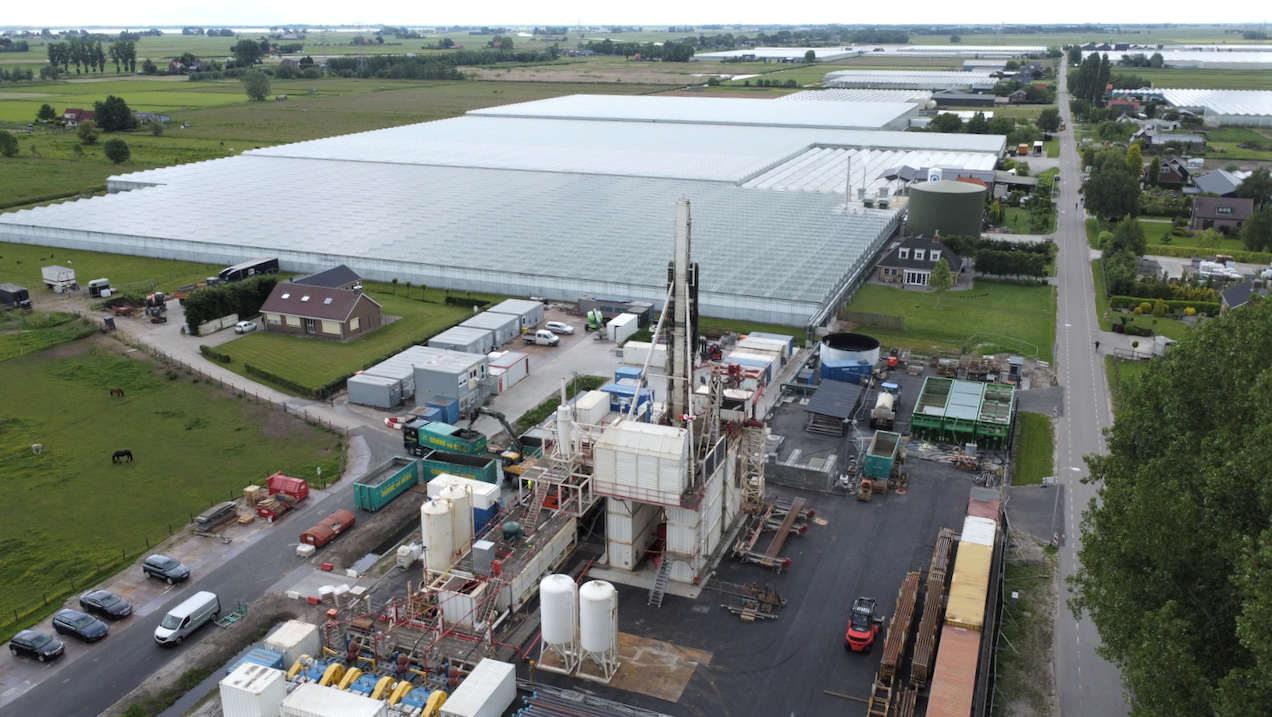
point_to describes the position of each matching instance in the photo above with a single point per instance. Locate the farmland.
(20, 264)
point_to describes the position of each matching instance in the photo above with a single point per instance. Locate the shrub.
(1139, 311)
(1145, 307)
(1209, 308)
(1190, 311)
(117, 150)
(214, 354)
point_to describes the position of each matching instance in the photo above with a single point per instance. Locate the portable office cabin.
(505, 327)
(377, 391)
(528, 313)
(460, 376)
(510, 367)
(465, 340)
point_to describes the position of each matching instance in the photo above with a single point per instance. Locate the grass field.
(1168, 327)
(1202, 79)
(1053, 148)
(1017, 220)
(20, 264)
(1119, 374)
(1156, 230)
(72, 515)
(25, 334)
(1027, 313)
(1035, 450)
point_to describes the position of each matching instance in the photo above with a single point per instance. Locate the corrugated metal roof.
(1216, 102)
(846, 94)
(824, 169)
(823, 54)
(954, 679)
(647, 438)
(906, 79)
(1182, 59)
(979, 531)
(516, 307)
(310, 699)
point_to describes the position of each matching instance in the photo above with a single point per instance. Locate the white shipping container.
(515, 365)
(310, 700)
(781, 349)
(980, 531)
(591, 407)
(487, 692)
(622, 327)
(293, 639)
(485, 495)
(636, 352)
(253, 691)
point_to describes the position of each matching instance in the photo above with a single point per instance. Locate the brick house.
(912, 261)
(319, 311)
(73, 116)
(1220, 213)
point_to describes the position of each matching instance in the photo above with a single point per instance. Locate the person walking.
(1097, 345)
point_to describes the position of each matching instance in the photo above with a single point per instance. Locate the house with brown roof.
(319, 311)
(911, 262)
(1223, 214)
(74, 115)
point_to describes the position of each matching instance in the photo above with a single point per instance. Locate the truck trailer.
(59, 278)
(248, 269)
(13, 296)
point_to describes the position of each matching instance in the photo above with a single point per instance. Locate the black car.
(80, 624)
(163, 567)
(30, 643)
(106, 604)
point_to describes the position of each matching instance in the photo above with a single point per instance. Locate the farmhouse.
(320, 311)
(911, 262)
(73, 116)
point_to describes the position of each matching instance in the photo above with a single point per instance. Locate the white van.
(187, 617)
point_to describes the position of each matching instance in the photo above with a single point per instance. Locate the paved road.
(1088, 685)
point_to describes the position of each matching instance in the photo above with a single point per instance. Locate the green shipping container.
(482, 468)
(445, 437)
(387, 481)
(882, 453)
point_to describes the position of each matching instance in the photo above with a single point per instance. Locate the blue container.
(623, 372)
(259, 656)
(448, 406)
(847, 370)
(482, 517)
(621, 396)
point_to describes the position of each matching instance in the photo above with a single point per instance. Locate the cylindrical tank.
(850, 347)
(598, 616)
(437, 527)
(559, 599)
(883, 406)
(945, 207)
(564, 429)
(461, 498)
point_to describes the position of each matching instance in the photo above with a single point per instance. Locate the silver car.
(243, 327)
(559, 327)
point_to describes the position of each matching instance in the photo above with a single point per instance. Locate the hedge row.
(213, 354)
(1187, 252)
(466, 301)
(1210, 308)
(286, 383)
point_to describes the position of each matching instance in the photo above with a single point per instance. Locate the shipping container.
(482, 468)
(846, 370)
(610, 308)
(980, 531)
(969, 586)
(293, 639)
(783, 338)
(453, 375)
(485, 496)
(768, 347)
(259, 656)
(310, 700)
(452, 439)
(515, 366)
(984, 503)
(448, 408)
(766, 362)
(591, 407)
(954, 679)
(253, 691)
(329, 528)
(882, 453)
(503, 327)
(464, 340)
(528, 313)
(385, 482)
(488, 691)
(622, 327)
(367, 389)
(636, 352)
(621, 396)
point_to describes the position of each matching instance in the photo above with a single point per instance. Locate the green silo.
(947, 207)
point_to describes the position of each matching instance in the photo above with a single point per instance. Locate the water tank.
(945, 207)
(462, 499)
(559, 599)
(935, 174)
(883, 407)
(598, 616)
(850, 347)
(438, 530)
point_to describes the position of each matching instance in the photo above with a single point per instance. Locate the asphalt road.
(1088, 685)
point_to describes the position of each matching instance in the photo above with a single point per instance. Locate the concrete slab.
(1036, 510)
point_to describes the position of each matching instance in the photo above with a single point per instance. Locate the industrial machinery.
(863, 626)
(156, 308)
(517, 458)
(595, 320)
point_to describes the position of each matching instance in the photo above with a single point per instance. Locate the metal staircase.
(538, 494)
(660, 582)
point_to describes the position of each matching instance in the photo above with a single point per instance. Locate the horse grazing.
(37, 448)
(120, 456)
(117, 392)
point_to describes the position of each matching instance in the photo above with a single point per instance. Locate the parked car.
(80, 624)
(29, 643)
(163, 567)
(559, 327)
(106, 603)
(243, 327)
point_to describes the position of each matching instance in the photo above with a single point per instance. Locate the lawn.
(1026, 313)
(1168, 327)
(1156, 231)
(1202, 79)
(72, 515)
(1035, 449)
(20, 264)
(712, 326)
(316, 362)
(1017, 220)
(1119, 374)
(1053, 148)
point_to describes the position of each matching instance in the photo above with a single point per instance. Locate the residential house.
(73, 116)
(1017, 97)
(911, 262)
(1130, 107)
(319, 311)
(1222, 213)
(337, 277)
(1174, 172)
(1241, 294)
(1220, 182)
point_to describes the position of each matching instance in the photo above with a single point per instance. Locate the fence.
(883, 321)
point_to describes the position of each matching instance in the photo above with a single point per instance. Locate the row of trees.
(244, 298)
(8, 44)
(1091, 78)
(674, 51)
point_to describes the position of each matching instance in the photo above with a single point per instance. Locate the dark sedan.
(106, 604)
(29, 643)
(162, 567)
(80, 624)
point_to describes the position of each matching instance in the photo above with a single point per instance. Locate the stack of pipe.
(541, 704)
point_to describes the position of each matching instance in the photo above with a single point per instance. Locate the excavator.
(515, 459)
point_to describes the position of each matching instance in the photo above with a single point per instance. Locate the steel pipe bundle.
(899, 628)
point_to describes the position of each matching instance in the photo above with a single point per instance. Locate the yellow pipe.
(350, 675)
(435, 702)
(296, 668)
(384, 685)
(400, 691)
(332, 674)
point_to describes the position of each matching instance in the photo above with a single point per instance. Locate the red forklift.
(863, 626)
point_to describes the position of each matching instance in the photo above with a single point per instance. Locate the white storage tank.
(437, 527)
(559, 598)
(253, 691)
(462, 514)
(310, 700)
(293, 639)
(488, 691)
(598, 617)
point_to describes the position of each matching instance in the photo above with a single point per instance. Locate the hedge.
(1129, 303)
(214, 354)
(1187, 252)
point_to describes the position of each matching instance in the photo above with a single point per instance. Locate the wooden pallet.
(880, 704)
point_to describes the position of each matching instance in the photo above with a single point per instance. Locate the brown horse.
(117, 392)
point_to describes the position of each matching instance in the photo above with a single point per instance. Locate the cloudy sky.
(246, 13)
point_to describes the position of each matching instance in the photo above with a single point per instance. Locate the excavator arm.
(514, 443)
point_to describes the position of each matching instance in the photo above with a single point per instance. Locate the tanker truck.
(885, 409)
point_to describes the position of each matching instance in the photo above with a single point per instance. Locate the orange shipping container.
(969, 586)
(328, 528)
(954, 679)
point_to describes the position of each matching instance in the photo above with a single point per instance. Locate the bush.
(1139, 311)
(1145, 307)
(1209, 308)
(117, 150)
(214, 354)
(1190, 311)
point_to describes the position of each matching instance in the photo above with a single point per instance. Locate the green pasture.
(24, 334)
(20, 264)
(1202, 79)
(1023, 312)
(1035, 449)
(72, 516)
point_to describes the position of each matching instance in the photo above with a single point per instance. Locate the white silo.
(598, 629)
(461, 497)
(564, 430)
(559, 602)
(436, 525)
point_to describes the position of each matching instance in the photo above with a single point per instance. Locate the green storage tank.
(945, 207)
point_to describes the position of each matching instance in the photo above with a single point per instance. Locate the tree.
(978, 124)
(940, 280)
(1049, 119)
(946, 122)
(1154, 171)
(8, 144)
(46, 113)
(247, 52)
(116, 150)
(1000, 125)
(1088, 157)
(156, 127)
(1180, 589)
(114, 115)
(1257, 232)
(954, 39)
(1135, 160)
(256, 84)
(1111, 193)
(1075, 55)
(1128, 235)
(395, 283)
(87, 132)
(810, 56)
(1022, 168)
(1257, 186)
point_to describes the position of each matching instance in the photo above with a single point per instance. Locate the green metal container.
(483, 468)
(947, 207)
(882, 454)
(452, 439)
(387, 481)
(928, 419)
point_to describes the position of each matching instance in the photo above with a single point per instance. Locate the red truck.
(284, 492)
(328, 528)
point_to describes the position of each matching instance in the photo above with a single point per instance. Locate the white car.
(243, 327)
(559, 327)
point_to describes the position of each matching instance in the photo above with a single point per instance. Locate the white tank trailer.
(885, 409)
